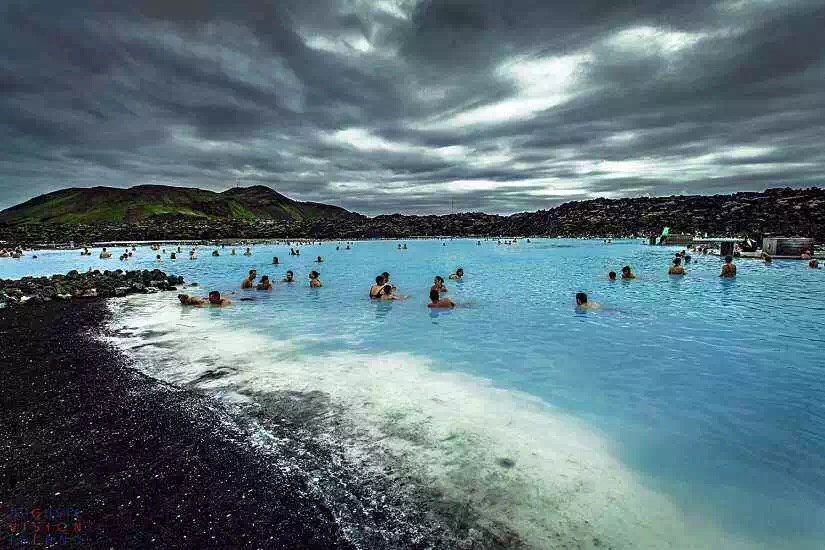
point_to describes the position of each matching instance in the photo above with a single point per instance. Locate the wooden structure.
(787, 247)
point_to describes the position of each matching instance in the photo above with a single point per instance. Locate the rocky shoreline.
(78, 286)
(132, 462)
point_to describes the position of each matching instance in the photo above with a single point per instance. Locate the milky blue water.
(706, 393)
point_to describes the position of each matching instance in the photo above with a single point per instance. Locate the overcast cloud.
(402, 105)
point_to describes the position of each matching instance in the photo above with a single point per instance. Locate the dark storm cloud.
(404, 105)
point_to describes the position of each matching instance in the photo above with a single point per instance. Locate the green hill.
(109, 204)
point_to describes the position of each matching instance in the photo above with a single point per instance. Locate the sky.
(414, 106)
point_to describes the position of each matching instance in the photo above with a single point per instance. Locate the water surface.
(688, 412)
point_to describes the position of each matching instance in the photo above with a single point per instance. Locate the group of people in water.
(383, 289)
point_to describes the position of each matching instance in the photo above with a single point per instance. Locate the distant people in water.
(728, 268)
(186, 300)
(436, 301)
(806, 254)
(216, 300)
(158, 258)
(388, 293)
(612, 275)
(386, 276)
(458, 275)
(676, 268)
(233, 253)
(248, 282)
(274, 260)
(173, 256)
(215, 253)
(314, 281)
(248, 252)
(627, 273)
(104, 254)
(375, 290)
(319, 260)
(583, 303)
(766, 258)
(813, 264)
(438, 284)
(264, 284)
(289, 277)
(85, 252)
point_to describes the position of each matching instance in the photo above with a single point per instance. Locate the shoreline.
(147, 463)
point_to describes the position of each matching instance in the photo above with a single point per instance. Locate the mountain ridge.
(260, 212)
(102, 204)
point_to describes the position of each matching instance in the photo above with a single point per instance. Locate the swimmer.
(627, 273)
(388, 293)
(274, 260)
(186, 300)
(248, 252)
(387, 279)
(676, 268)
(319, 260)
(375, 290)
(289, 278)
(104, 254)
(438, 284)
(264, 284)
(216, 300)
(612, 275)
(233, 253)
(436, 301)
(215, 253)
(172, 256)
(248, 281)
(314, 281)
(728, 268)
(158, 258)
(767, 258)
(582, 303)
(813, 264)
(457, 276)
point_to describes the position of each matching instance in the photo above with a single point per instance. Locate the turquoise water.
(689, 409)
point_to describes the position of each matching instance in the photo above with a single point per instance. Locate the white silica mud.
(488, 459)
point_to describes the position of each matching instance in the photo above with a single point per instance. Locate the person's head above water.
(728, 259)
(626, 269)
(289, 275)
(386, 276)
(214, 297)
(380, 280)
(434, 295)
(612, 275)
(677, 261)
(581, 298)
(387, 290)
(252, 273)
(313, 274)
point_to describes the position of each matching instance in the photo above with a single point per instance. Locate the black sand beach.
(147, 464)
